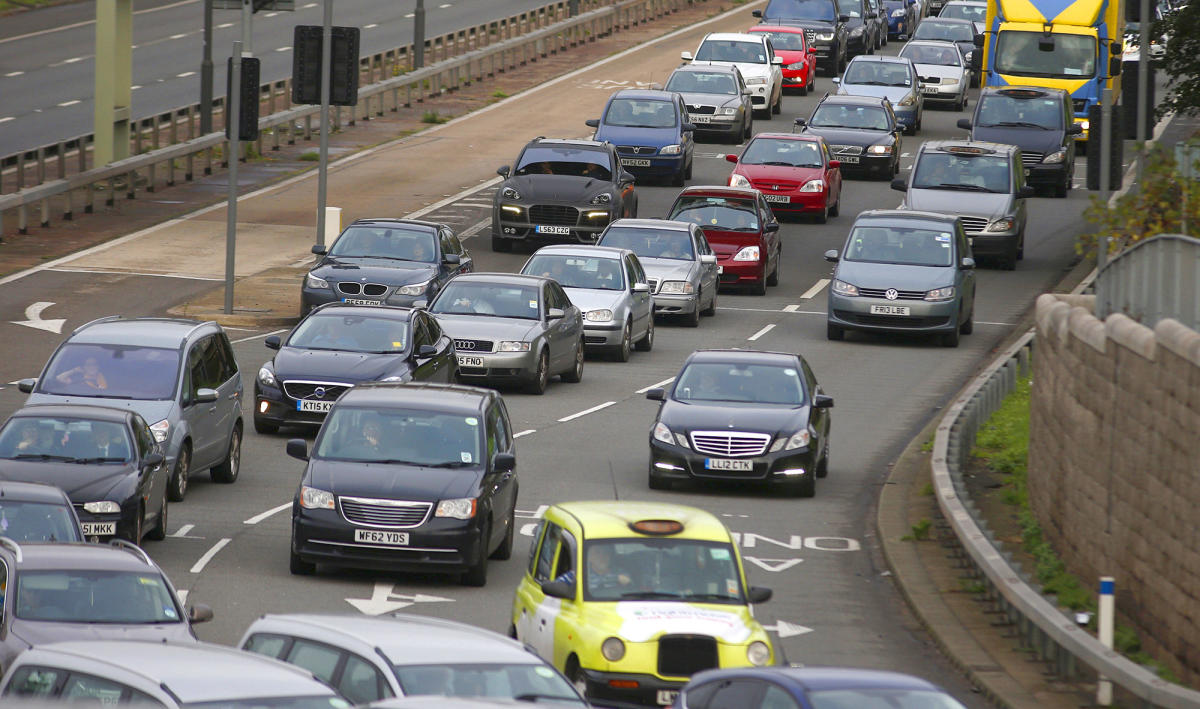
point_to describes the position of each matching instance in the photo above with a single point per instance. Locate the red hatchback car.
(794, 172)
(799, 58)
(740, 228)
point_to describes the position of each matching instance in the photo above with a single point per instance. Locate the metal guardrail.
(1154, 279)
(399, 89)
(1054, 637)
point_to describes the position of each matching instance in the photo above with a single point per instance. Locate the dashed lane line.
(260, 335)
(664, 382)
(585, 412)
(761, 332)
(208, 555)
(817, 288)
(263, 515)
(526, 432)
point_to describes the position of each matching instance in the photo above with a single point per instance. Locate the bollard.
(1105, 623)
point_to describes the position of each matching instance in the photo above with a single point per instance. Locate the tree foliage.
(1182, 60)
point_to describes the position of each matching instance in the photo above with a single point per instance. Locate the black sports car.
(561, 191)
(862, 132)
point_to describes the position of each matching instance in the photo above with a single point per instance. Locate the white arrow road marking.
(773, 565)
(33, 318)
(381, 601)
(786, 629)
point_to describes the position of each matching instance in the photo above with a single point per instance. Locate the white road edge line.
(526, 432)
(761, 332)
(475, 229)
(585, 412)
(183, 531)
(255, 337)
(208, 555)
(263, 515)
(664, 382)
(817, 288)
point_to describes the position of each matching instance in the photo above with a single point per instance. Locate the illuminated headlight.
(509, 193)
(314, 282)
(748, 253)
(266, 376)
(799, 440)
(736, 180)
(795, 67)
(677, 287)
(857, 31)
(670, 150)
(612, 649)
(601, 315)
(755, 80)
(949, 82)
(729, 111)
(813, 186)
(1004, 224)
(313, 499)
(825, 37)
(598, 214)
(414, 288)
(843, 288)
(605, 197)
(663, 434)
(946, 293)
(758, 653)
(511, 209)
(909, 100)
(512, 346)
(898, 13)
(1055, 157)
(160, 430)
(1086, 125)
(880, 150)
(462, 508)
(107, 507)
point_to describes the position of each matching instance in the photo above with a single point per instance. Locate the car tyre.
(712, 305)
(823, 216)
(178, 483)
(1060, 191)
(777, 107)
(834, 332)
(575, 676)
(159, 531)
(300, 567)
(836, 209)
(622, 351)
(575, 374)
(501, 245)
(748, 130)
(1021, 247)
(678, 178)
(656, 482)
(505, 550)
(1008, 262)
(477, 575)
(823, 463)
(950, 339)
(968, 325)
(265, 427)
(806, 487)
(140, 524)
(960, 103)
(692, 319)
(688, 175)
(759, 287)
(541, 377)
(226, 472)
(773, 279)
(647, 342)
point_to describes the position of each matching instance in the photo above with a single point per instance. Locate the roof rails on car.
(132, 548)
(11, 544)
(106, 318)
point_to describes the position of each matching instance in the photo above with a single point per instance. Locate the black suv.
(384, 261)
(408, 477)
(862, 132)
(825, 28)
(561, 190)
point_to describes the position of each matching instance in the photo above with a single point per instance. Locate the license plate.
(929, 89)
(99, 529)
(727, 464)
(320, 407)
(376, 536)
(700, 119)
(359, 301)
(635, 162)
(777, 198)
(465, 361)
(847, 159)
(553, 229)
(665, 697)
(889, 310)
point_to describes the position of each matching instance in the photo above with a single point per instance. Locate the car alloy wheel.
(178, 484)
(647, 342)
(159, 531)
(624, 349)
(227, 471)
(477, 574)
(575, 374)
(542, 376)
(504, 551)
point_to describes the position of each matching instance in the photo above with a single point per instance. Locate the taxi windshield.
(725, 213)
(350, 333)
(510, 681)
(661, 569)
(401, 437)
(578, 271)
(910, 246)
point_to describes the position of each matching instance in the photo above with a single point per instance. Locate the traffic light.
(248, 103)
(343, 68)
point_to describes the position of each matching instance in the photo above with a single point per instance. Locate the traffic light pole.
(1143, 109)
(419, 35)
(206, 73)
(323, 165)
(1106, 112)
(233, 127)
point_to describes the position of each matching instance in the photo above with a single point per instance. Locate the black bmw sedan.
(738, 415)
(862, 132)
(339, 346)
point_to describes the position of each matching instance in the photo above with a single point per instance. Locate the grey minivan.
(179, 375)
(903, 271)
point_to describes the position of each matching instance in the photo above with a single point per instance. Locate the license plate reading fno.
(467, 361)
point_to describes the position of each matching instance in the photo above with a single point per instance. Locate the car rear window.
(912, 246)
(729, 213)
(116, 371)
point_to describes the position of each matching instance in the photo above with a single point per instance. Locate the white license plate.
(777, 198)
(359, 301)
(665, 697)
(465, 361)
(320, 407)
(889, 310)
(727, 464)
(553, 229)
(99, 529)
(699, 119)
(929, 89)
(635, 162)
(376, 536)
(847, 159)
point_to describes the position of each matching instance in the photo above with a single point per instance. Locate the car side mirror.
(833, 164)
(153, 460)
(976, 60)
(820, 401)
(967, 264)
(273, 342)
(559, 589)
(747, 92)
(731, 158)
(689, 127)
(641, 288)
(502, 171)
(872, 15)
(836, 80)
(899, 184)
(297, 448)
(426, 351)
(777, 60)
(1026, 191)
(843, 18)
(504, 463)
(200, 613)
(800, 122)
(556, 314)
(708, 259)
(831, 256)
(626, 176)
(978, 40)
(686, 56)
(758, 594)
(420, 304)
(319, 249)
(25, 386)
(964, 123)
(812, 50)
(452, 259)
(656, 394)
(592, 123)
(1114, 65)
(1075, 129)
(756, 13)
(771, 228)
(206, 396)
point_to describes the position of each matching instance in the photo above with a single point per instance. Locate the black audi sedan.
(408, 477)
(105, 459)
(339, 346)
(862, 132)
(739, 415)
(384, 262)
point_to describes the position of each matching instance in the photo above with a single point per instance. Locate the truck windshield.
(1072, 56)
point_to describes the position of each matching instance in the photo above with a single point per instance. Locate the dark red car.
(799, 58)
(794, 172)
(740, 228)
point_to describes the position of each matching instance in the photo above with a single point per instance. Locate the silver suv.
(179, 375)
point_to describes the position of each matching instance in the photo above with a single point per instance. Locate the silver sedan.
(943, 70)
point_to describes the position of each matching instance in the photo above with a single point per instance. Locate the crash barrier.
(1151, 280)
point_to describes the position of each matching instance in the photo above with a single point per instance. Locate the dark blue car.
(810, 688)
(901, 17)
(651, 132)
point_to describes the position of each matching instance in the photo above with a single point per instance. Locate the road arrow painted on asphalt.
(786, 629)
(383, 600)
(33, 318)
(775, 565)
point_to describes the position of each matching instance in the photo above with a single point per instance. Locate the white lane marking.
(761, 332)
(475, 228)
(177, 36)
(263, 515)
(208, 555)
(183, 531)
(185, 75)
(664, 382)
(311, 4)
(135, 87)
(811, 292)
(408, 16)
(791, 308)
(585, 412)
(443, 6)
(223, 26)
(6, 119)
(72, 60)
(133, 273)
(1001, 324)
(72, 102)
(772, 310)
(182, 596)
(255, 337)
(14, 73)
(371, 26)
(526, 432)
(283, 49)
(451, 199)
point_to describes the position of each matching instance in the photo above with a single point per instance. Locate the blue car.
(651, 132)
(810, 688)
(901, 17)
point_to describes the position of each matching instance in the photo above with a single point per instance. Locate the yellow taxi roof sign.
(613, 518)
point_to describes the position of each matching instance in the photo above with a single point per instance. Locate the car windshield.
(37, 522)
(660, 570)
(389, 243)
(932, 54)
(95, 596)
(350, 333)
(571, 162)
(696, 82)
(481, 298)
(974, 13)
(801, 10)
(1067, 56)
(948, 31)
(529, 682)
(784, 152)
(274, 703)
(787, 41)
(651, 243)
(744, 383)
(975, 173)
(871, 73)
(723, 50)
(997, 110)
(55, 438)
(913, 246)
(725, 213)
(578, 271)
(112, 371)
(401, 436)
(830, 115)
(880, 699)
(637, 113)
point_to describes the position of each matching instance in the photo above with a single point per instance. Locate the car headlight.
(313, 282)
(898, 13)
(510, 193)
(663, 434)
(795, 67)
(736, 180)
(969, 56)
(512, 346)
(880, 150)
(729, 111)
(1055, 158)
(266, 376)
(604, 197)
(1004, 224)
(754, 80)
(160, 430)
(813, 186)
(678, 287)
(1086, 125)
(670, 150)
(747, 253)
(856, 31)
(511, 209)
(946, 293)
(599, 315)
(949, 82)
(800, 439)
(414, 288)
(758, 653)
(106, 507)
(843, 288)
(825, 37)
(462, 508)
(909, 100)
(612, 649)
(313, 499)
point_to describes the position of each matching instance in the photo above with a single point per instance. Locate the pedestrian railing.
(1153, 279)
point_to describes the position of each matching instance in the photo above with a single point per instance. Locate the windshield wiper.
(774, 162)
(532, 697)
(870, 83)
(447, 464)
(1017, 124)
(953, 186)
(109, 459)
(650, 594)
(43, 456)
(713, 596)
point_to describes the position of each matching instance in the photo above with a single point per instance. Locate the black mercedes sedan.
(105, 459)
(408, 477)
(739, 415)
(340, 346)
(384, 262)
(862, 132)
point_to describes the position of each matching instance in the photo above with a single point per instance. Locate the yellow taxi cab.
(662, 595)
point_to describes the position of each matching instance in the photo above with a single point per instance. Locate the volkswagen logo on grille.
(891, 294)
(464, 344)
(319, 392)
